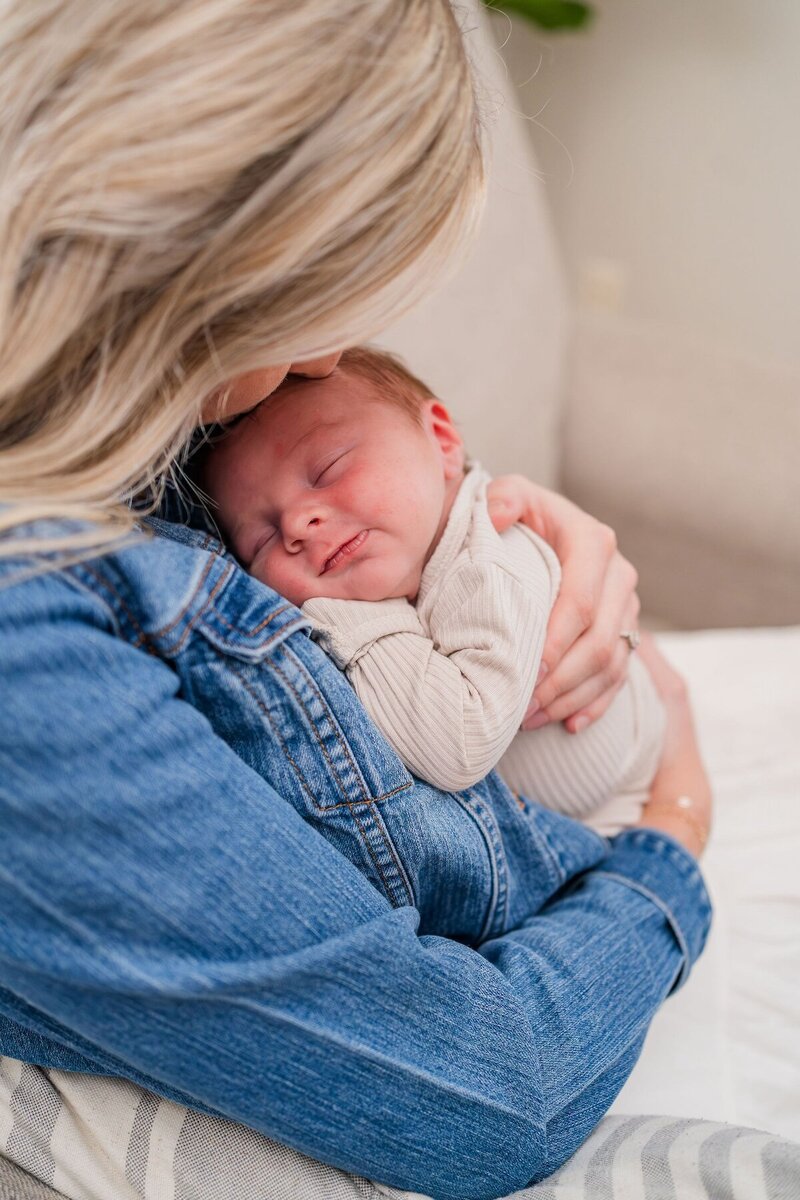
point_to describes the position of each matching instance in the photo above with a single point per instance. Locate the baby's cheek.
(282, 578)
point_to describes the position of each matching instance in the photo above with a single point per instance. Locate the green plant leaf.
(547, 14)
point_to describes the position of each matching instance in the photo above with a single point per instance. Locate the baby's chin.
(373, 585)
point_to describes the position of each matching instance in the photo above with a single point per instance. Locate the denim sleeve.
(168, 917)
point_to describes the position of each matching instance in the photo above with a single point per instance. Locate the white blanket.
(727, 1047)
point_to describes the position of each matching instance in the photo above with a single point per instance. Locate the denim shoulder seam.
(173, 624)
(276, 612)
(342, 741)
(346, 803)
(79, 585)
(141, 640)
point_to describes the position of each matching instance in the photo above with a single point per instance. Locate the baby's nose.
(300, 525)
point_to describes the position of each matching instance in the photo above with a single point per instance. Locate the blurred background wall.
(682, 201)
(670, 157)
(637, 288)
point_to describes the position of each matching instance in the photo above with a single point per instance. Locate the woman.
(217, 882)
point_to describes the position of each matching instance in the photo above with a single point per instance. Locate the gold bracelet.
(685, 806)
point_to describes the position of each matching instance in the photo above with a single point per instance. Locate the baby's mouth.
(344, 551)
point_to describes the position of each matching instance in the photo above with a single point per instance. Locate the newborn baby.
(350, 495)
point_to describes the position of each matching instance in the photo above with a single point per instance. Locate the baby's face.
(327, 491)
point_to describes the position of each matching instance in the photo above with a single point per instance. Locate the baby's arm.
(448, 684)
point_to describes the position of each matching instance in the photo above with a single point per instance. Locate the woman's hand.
(585, 661)
(680, 797)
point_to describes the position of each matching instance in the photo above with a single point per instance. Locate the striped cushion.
(91, 1136)
(16, 1184)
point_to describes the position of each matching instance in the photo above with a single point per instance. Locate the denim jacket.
(219, 881)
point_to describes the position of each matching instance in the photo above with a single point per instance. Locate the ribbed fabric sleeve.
(349, 629)
(448, 681)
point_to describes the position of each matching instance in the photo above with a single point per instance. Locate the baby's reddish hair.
(390, 375)
(387, 373)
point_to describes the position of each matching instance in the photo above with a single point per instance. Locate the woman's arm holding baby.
(585, 658)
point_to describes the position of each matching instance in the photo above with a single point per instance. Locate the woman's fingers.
(590, 584)
(584, 703)
(577, 708)
(581, 687)
(585, 661)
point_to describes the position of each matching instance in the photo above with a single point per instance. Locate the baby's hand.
(585, 661)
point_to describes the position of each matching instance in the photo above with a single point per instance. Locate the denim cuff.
(658, 867)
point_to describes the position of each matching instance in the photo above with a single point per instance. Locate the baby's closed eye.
(326, 472)
(263, 540)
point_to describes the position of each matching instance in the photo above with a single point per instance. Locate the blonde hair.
(193, 190)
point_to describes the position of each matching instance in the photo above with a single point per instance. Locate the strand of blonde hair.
(192, 190)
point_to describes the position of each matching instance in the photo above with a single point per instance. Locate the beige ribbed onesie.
(448, 679)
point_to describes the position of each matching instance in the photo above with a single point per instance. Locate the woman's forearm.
(680, 801)
(592, 969)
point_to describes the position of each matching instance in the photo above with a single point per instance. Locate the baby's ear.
(451, 447)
